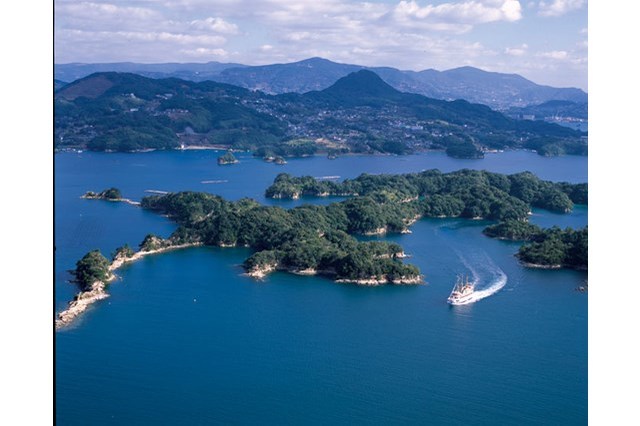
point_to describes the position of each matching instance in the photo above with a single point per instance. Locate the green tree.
(91, 268)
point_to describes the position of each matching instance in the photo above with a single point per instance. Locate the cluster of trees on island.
(304, 239)
(431, 193)
(112, 194)
(95, 267)
(552, 247)
(391, 201)
(227, 158)
(320, 239)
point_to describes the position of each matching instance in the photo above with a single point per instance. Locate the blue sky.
(545, 41)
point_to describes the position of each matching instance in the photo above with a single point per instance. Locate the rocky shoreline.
(375, 281)
(263, 271)
(539, 266)
(90, 196)
(97, 291)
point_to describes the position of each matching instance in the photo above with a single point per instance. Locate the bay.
(185, 338)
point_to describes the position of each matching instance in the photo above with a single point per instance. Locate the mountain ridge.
(498, 90)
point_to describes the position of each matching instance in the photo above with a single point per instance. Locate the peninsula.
(94, 273)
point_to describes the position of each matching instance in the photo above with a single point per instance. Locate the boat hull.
(460, 300)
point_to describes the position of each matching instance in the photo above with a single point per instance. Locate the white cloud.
(103, 16)
(217, 25)
(555, 54)
(516, 51)
(559, 7)
(203, 52)
(458, 17)
(165, 37)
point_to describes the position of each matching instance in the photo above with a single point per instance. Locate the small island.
(111, 194)
(227, 158)
(551, 248)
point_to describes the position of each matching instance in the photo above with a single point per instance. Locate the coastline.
(84, 299)
(320, 153)
(539, 266)
(556, 266)
(261, 272)
(375, 281)
(113, 200)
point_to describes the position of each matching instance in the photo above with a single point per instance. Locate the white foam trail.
(495, 286)
(497, 278)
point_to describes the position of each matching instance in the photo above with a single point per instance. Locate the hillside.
(553, 109)
(58, 84)
(359, 113)
(127, 112)
(498, 90)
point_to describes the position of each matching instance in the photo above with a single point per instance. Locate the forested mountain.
(359, 113)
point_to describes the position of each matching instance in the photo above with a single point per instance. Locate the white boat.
(462, 292)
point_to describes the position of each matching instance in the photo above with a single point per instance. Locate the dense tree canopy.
(545, 247)
(91, 268)
(557, 247)
(111, 194)
(465, 193)
(513, 230)
(227, 158)
(303, 238)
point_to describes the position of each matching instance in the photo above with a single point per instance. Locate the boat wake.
(488, 278)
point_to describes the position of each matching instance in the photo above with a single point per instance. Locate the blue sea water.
(186, 339)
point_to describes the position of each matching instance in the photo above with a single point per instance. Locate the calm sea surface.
(186, 339)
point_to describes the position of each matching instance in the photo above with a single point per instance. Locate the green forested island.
(227, 158)
(313, 239)
(464, 193)
(306, 239)
(551, 248)
(112, 194)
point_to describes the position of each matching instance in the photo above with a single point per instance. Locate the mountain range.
(358, 113)
(497, 90)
